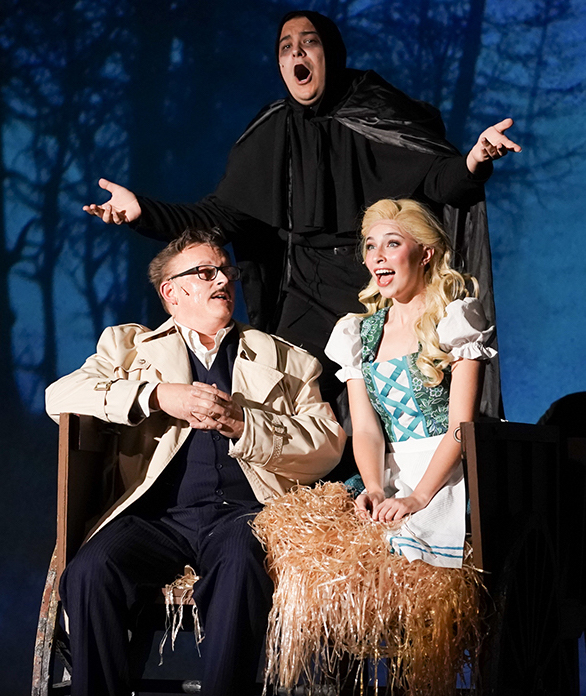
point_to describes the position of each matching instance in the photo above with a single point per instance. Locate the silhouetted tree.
(154, 94)
(10, 250)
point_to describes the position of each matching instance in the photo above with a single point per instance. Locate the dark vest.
(202, 472)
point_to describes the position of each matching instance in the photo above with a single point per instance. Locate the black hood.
(337, 79)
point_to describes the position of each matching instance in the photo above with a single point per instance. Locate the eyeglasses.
(209, 273)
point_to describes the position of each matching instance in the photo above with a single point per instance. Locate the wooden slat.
(65, 425)
(44, 643)
(468, 434)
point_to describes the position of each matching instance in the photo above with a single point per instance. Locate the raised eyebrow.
(303, 33)
(193, 268)
(391, 233)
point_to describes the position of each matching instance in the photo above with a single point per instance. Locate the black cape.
(297, 182)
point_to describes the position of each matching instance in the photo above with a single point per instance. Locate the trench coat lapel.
(255, 369)
(165, 350)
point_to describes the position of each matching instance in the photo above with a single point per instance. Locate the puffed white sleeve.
(345, 348)
(463, 331)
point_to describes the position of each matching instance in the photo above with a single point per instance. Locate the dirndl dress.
(415, 418)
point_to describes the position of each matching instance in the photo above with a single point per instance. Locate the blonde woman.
(413, 364)
(389, 582)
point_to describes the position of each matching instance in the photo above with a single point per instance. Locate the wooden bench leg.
(45, 641)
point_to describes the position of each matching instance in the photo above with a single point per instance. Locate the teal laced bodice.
(408, 409)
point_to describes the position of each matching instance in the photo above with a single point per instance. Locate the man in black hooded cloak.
(298, 178)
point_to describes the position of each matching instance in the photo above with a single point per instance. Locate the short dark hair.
(192, 236)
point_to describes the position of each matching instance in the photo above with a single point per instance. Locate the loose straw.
(340, 590)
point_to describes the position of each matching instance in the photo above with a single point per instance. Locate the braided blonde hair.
(443, 283)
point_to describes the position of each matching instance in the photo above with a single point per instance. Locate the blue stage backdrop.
(152, 94)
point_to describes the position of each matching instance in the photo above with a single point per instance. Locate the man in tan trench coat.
(216, 419)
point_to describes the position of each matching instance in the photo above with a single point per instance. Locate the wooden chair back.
(515, 475)
(513, 472)
(82, 482)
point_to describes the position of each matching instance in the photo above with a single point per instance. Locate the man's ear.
(168, 290)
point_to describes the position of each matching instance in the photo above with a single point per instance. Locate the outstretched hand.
(203, 406)
(491, 145)
(121, 208)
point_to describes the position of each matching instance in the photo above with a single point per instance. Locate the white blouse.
(462, 333)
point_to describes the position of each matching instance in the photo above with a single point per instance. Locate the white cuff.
(144, 397)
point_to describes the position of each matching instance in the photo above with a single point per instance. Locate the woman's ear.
(428, 252)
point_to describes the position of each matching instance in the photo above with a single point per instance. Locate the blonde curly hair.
(443, 283)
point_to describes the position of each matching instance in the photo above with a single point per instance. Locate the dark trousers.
(132, 555)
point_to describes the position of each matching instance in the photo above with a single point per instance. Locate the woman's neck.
(399, 337)
(405, 314)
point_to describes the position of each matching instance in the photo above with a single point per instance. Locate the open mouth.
(384, 276)
(221, 295)
(302, 73)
